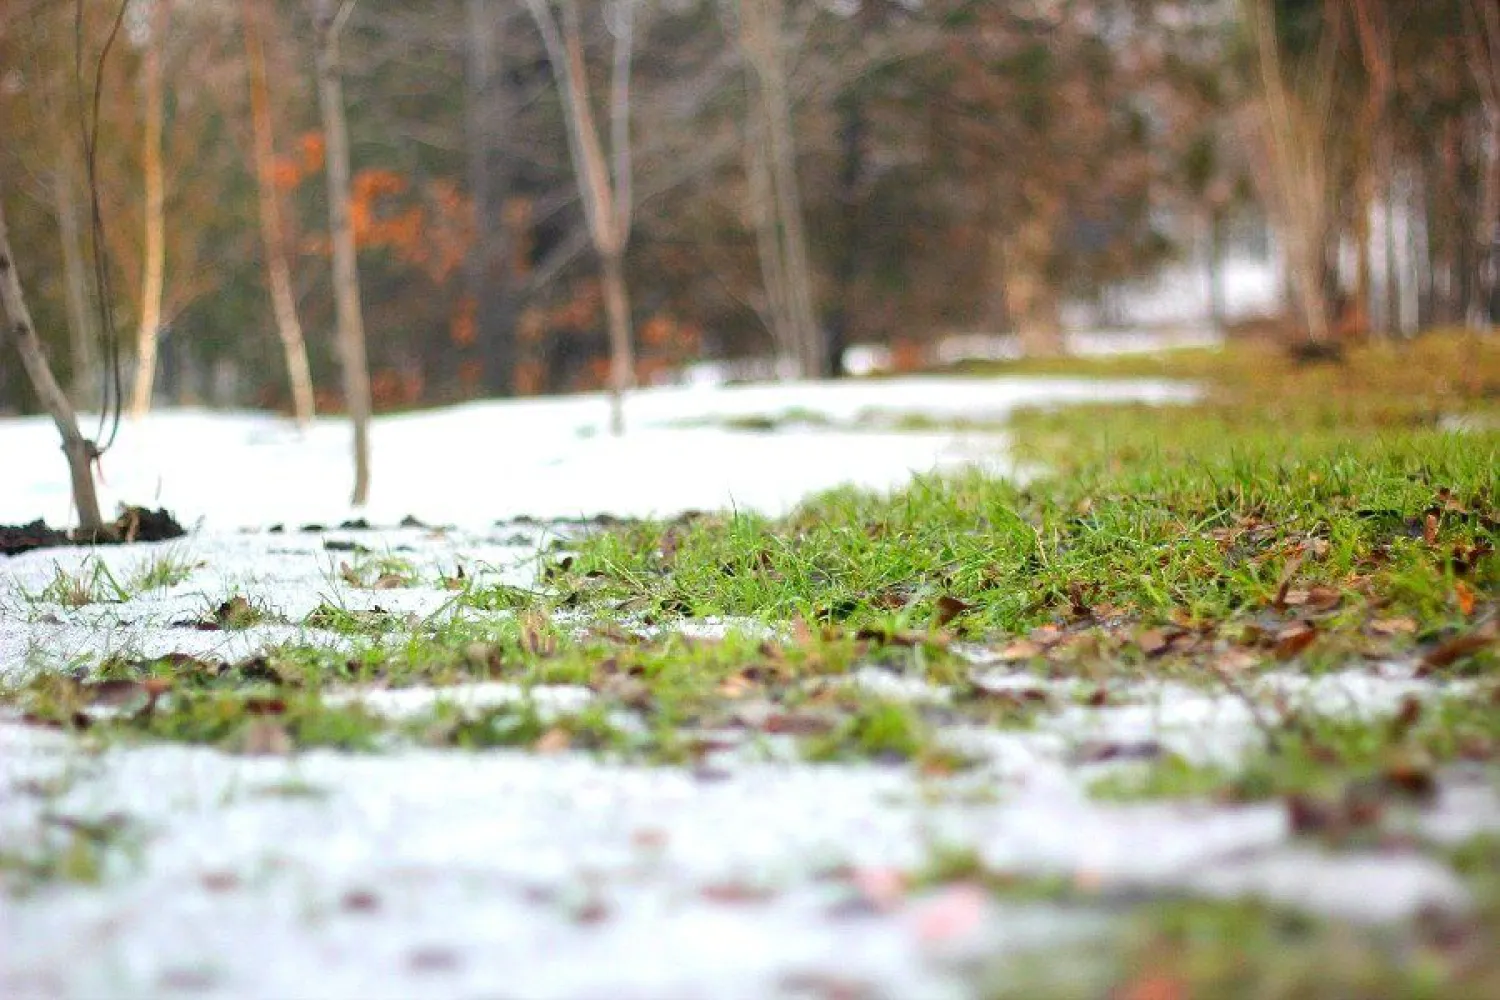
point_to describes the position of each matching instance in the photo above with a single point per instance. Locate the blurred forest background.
(775, 186)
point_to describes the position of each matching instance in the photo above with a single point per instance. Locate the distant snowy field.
(546, 457)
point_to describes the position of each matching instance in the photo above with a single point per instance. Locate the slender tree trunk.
(1482, 294)
(851, 169)
(1362, 250)
(490, 287)
(760, 29)
(617, 309)
(1218, 308)
(351, 325)
(84, 373)
(759, 187)
(606, 194)
(154, 273)
(273, 240)
(80, 452)
(1393, 276)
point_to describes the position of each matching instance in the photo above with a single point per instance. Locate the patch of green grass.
(1342, 770)
(162, 570)
(1288, 495)
(66, 849)
(91, 583)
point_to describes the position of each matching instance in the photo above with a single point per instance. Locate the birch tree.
(153, 273)
(273, 239)
(775, 199)
(605, 188)
(329, 22)
(19, 329)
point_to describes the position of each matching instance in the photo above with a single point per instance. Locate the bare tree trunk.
(761, 41)
(272, 236)
(606, 194)
(1392, 254)
(80, 451)
(617, 309)
(1297, 124)
(759, 187)
(1031, 294)
(81, 333)
(1482, 48)
(491, 285)
(1482, 295)
(154, 273)
(351, 324)
(1372, 26)
(1218, 298)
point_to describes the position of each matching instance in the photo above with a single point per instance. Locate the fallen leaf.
(360, 901)
(949, 608)
(1445, 654)
(1293, 639)
(1409, 772)
(1020, 649)
(796, 724)
(1154, 987)
(235, 613)
(1393, 626)
(1101, 751)
(266, 737)
(1464, 598)
(219, 881)
(553, 741)
(734, 892)
(1430, 529)
(954, 912)
(880, 887)
(433, 959)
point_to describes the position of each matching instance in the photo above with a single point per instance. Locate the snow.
(550, 457)
(419, 872)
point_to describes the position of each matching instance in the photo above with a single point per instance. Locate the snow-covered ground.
(549, 457)
(505, 873)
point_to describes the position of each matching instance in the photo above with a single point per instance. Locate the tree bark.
(606, 199)
(1487, 271)
(351, 326)
(1218, 298)
(272, 236)
(80, 451)
(490, 284)
(154, 271)
(1296, 124)
(617, 310)
(761, 42)
(84, 374)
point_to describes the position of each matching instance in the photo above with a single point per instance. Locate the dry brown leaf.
(796, 724)
(266, 737)
(1445, 654)
(1430, 529)
(1235, 661)
(949, 608)
(1153, 641)
(553, 741)
(1020, 649)
(1393, 626)
(1464, 598)
(1293, 639)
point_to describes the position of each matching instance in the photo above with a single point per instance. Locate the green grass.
(1284, 481)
